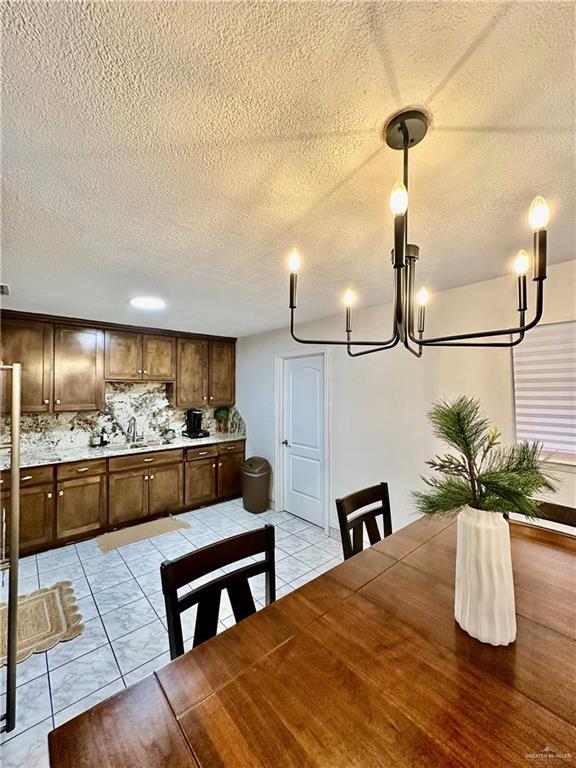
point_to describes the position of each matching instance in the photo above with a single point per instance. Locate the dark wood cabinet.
(127, 496)
(166, 489)
(31, 343)
(222, 373)
(36, 517)
(159, 358)
(200, 481)
(192, 372)
(78, 368)
(230, 474)
(81, 506)
(123, 356)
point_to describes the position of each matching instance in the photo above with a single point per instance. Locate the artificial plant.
(482, 474)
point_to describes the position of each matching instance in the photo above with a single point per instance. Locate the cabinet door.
(222, 373)
(36, 517)
(200, 481)
(30, 343)
(78, 368)
(127, 496)
(192, 381)
(81, 506)
(166, 488)
(123, 357)
(159, 358)
(230, 474)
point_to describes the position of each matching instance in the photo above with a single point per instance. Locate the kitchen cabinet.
(36, 517)
(145, 484)
(78, 368)
(31, 343)
(139, 357)
(192, 373)
(123, 356)
(230, 474)
(166, 489)
(200, 481)
(222, 369)
(81, 506)
(158, 358)
(127, 496)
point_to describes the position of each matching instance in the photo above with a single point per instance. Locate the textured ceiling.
(180, 149)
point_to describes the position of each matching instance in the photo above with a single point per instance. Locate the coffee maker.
(194, 424)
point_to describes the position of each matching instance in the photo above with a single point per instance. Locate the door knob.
(285, 442)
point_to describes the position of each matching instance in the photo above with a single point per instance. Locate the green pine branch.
(483, 474)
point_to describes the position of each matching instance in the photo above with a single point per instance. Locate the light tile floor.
(121, 601)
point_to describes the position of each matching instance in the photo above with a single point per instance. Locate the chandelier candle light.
(402, 132)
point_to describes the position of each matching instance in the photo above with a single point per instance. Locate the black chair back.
(349, 521)
(557, 513)
(177, 573)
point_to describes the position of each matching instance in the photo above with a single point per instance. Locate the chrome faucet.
(132, 432)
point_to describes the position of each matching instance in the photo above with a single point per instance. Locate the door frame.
(279, 452)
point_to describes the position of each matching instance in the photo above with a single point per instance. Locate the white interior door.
(303, 438)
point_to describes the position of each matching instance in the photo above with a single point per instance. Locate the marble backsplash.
(146, 401)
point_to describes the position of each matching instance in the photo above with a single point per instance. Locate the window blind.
(544, 366)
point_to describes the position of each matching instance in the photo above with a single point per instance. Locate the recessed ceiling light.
(148, 302)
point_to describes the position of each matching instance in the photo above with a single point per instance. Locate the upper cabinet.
(222, 373)
(29, 342)
(123, 356)
(206, 373)
(139, 357)
(192, 384)
(158, 358)
(78, 368)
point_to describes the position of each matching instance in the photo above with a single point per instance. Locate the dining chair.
(195, 565)
(349, 521)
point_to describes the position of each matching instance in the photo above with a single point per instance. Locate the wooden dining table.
(363, 666)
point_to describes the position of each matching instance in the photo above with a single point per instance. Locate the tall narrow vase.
(484, 602)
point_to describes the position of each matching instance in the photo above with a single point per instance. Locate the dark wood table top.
(364, 666)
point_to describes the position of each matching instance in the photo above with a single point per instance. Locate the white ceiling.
(181, 149)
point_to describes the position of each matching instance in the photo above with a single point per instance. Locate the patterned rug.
(45, 617)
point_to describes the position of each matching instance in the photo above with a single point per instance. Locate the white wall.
(378, 403)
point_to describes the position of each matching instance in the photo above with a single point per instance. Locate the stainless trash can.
(255, 484)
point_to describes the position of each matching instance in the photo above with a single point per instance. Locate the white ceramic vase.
(484, 600)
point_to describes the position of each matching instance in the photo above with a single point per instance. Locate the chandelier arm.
(392, 344)
(437, 340)
(336, 342)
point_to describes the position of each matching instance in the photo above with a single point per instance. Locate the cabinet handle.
(151, 477)
(202, 453)
(211, 398)
(145, 477)
(83, 469)
(219, 463)
(26, 477)
(60, 493)
(139, 370)
(148, 460)
(213, 466)
(46, 402)
(57, 402)
(48, 495)
(231, 448)
(145, 371)
(205, 398)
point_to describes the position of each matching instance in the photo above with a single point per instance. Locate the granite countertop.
(42, 456)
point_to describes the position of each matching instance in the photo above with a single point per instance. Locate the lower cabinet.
(36, 517)
(166, 489)
(81, 506)
(138, 493)
(200, 481)
(230, 474)
(128, 496)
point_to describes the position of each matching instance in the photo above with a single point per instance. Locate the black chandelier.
(403, 131)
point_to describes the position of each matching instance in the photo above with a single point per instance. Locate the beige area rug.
(45, 617)
(134, 533)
